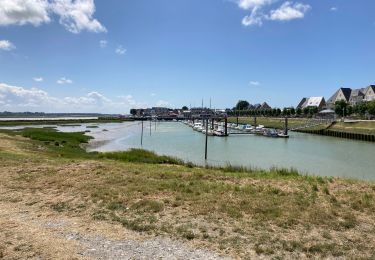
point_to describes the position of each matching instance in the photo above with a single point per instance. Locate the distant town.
(344, 102)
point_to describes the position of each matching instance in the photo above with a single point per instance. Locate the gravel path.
(26, 234)
(156, 248)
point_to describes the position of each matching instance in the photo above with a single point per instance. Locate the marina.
(223, 129)
(310, 154)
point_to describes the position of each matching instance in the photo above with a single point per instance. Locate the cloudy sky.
(110, 55)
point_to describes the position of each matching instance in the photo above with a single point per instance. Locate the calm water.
(318, 155)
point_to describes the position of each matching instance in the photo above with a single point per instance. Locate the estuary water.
(310, 154)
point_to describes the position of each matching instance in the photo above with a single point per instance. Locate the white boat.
(249, 128)
(199, 128)
(209, 132)
(197, 125)
(219, 131)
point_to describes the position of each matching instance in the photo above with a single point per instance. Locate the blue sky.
(110, 55)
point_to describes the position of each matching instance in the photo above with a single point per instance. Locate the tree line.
(243, 108)
(342, 108)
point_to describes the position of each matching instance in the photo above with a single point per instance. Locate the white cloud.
(120, 50)
(38, 79)
(254, 83)
(6, 45)
(91, 99)
(129, 101)
(251, 4)
(22, 12)
(75, 15)
(253, 19)
(333, 9)
(289, 11)
(14, 98)
(103, 43)
(163, 103)
(63, 81)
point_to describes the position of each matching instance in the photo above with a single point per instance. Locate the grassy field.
(356, 127)
(237, 212)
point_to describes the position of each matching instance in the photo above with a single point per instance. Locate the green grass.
(141, 156)
(356, 127)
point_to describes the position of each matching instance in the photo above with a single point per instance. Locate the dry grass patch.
(237, 213)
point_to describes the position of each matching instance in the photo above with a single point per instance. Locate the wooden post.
(286, 126)
(226, 126)
(205, 148)
(150, 125)
(238, 112)
(212, 124)
(255, 121)
(142, 134)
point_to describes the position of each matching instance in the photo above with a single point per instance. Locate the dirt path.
(25, 233)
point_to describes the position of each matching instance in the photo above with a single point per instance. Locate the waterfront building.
(318, 102)
(352, 96)
(370, 93)
(265, 106)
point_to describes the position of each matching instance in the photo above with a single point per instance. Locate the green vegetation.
(237, 211)
(361, 127)
(141, 156)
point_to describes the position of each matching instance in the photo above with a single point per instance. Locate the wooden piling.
(142, 134)
(286, 126)
(226, 126)
(205, 147)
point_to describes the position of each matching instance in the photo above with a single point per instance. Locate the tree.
(371, 107)
(285, 111)
(185, 108)
(360, 108)
(242, 105)
(299, 111)
(306, 111)
(278, 112)
(133, 111)
(349, 110)
(292, 111)
(313, 110)
(341, 107)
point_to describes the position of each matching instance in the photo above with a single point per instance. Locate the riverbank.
(278, 123)
(357, 130)
(69, 198)
(66, 121)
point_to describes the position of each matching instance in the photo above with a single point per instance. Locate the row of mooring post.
(143, 129)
